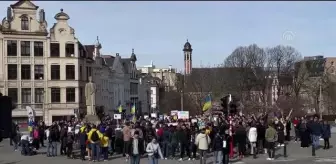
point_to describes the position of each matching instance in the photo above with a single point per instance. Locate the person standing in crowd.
(217, 147)
(134, 149)
(261, 129)
(326, 134)
(202, 141)
(304, 134)
(16, 138)
(271, 136)
(241, 137)
(174, 140)
(36, 138)
(63, 139)
(41, 129)
(226, 140)
(193, 136)
(70, 142)
(281, 133)
(154, 152)
(140, 137)
(94, 137)
(127, 137)
(252, 136)
(316, 130)
(105, 146)
(82, 142)
(296, 124)
(184, 138)
(166, 139)
(288, 128)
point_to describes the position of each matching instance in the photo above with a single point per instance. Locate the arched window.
(24, 23)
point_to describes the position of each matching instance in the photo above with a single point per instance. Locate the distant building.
(167, 75)
(126, 82)
(45, 73)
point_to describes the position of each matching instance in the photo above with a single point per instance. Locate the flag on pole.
(133, 109)
(207, 105)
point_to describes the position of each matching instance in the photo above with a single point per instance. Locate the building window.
(70, 72)
(25, 48)
(24, 23)
(25, 72)
(55, 95)
(70, 95)
(54, 50)
(26, 95)
(13, 94)
(38, 72)
(88, 73)
(55, 72)
(39, 95)
(38, 49)
(11, 48)
(12, 71)
(69, 50)
(81, 91)
(80, 72)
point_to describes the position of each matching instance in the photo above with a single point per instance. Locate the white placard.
(183, 114)
(117, 116)
(154, 115)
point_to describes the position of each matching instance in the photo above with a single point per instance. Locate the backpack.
(94, 136)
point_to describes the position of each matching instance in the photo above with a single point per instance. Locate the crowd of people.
(225, 137)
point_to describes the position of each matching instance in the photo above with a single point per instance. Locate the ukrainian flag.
(207, 105)
(120, 109)
(133, 109)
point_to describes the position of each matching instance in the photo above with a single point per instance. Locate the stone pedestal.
(94, 119)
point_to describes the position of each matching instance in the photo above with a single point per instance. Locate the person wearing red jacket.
(296, 123)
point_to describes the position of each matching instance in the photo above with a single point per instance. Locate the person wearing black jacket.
(63, 138)
(53, 138)
(261, 130)
(184, 140)
(110, 134)
(82, 142)
(226, 140)
(241, 138)
(41, 129)
(279, 127)
(217, 147)
(193, 135)
(166, 139)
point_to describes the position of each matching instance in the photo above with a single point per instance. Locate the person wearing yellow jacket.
(94, 137)
(105, 146)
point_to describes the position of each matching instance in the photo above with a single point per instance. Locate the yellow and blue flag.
(120, 109)
(207, 105)
(133, 109)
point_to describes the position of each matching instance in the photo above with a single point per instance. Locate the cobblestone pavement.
(296, 155)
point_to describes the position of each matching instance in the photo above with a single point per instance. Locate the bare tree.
(283, 59)
(251, 65)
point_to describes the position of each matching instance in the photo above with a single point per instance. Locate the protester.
(154, 152)
(326, 134)
(202, 141)
(271, 137)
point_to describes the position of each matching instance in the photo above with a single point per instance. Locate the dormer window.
(24, 22)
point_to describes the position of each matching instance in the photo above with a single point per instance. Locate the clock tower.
(187, 58)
